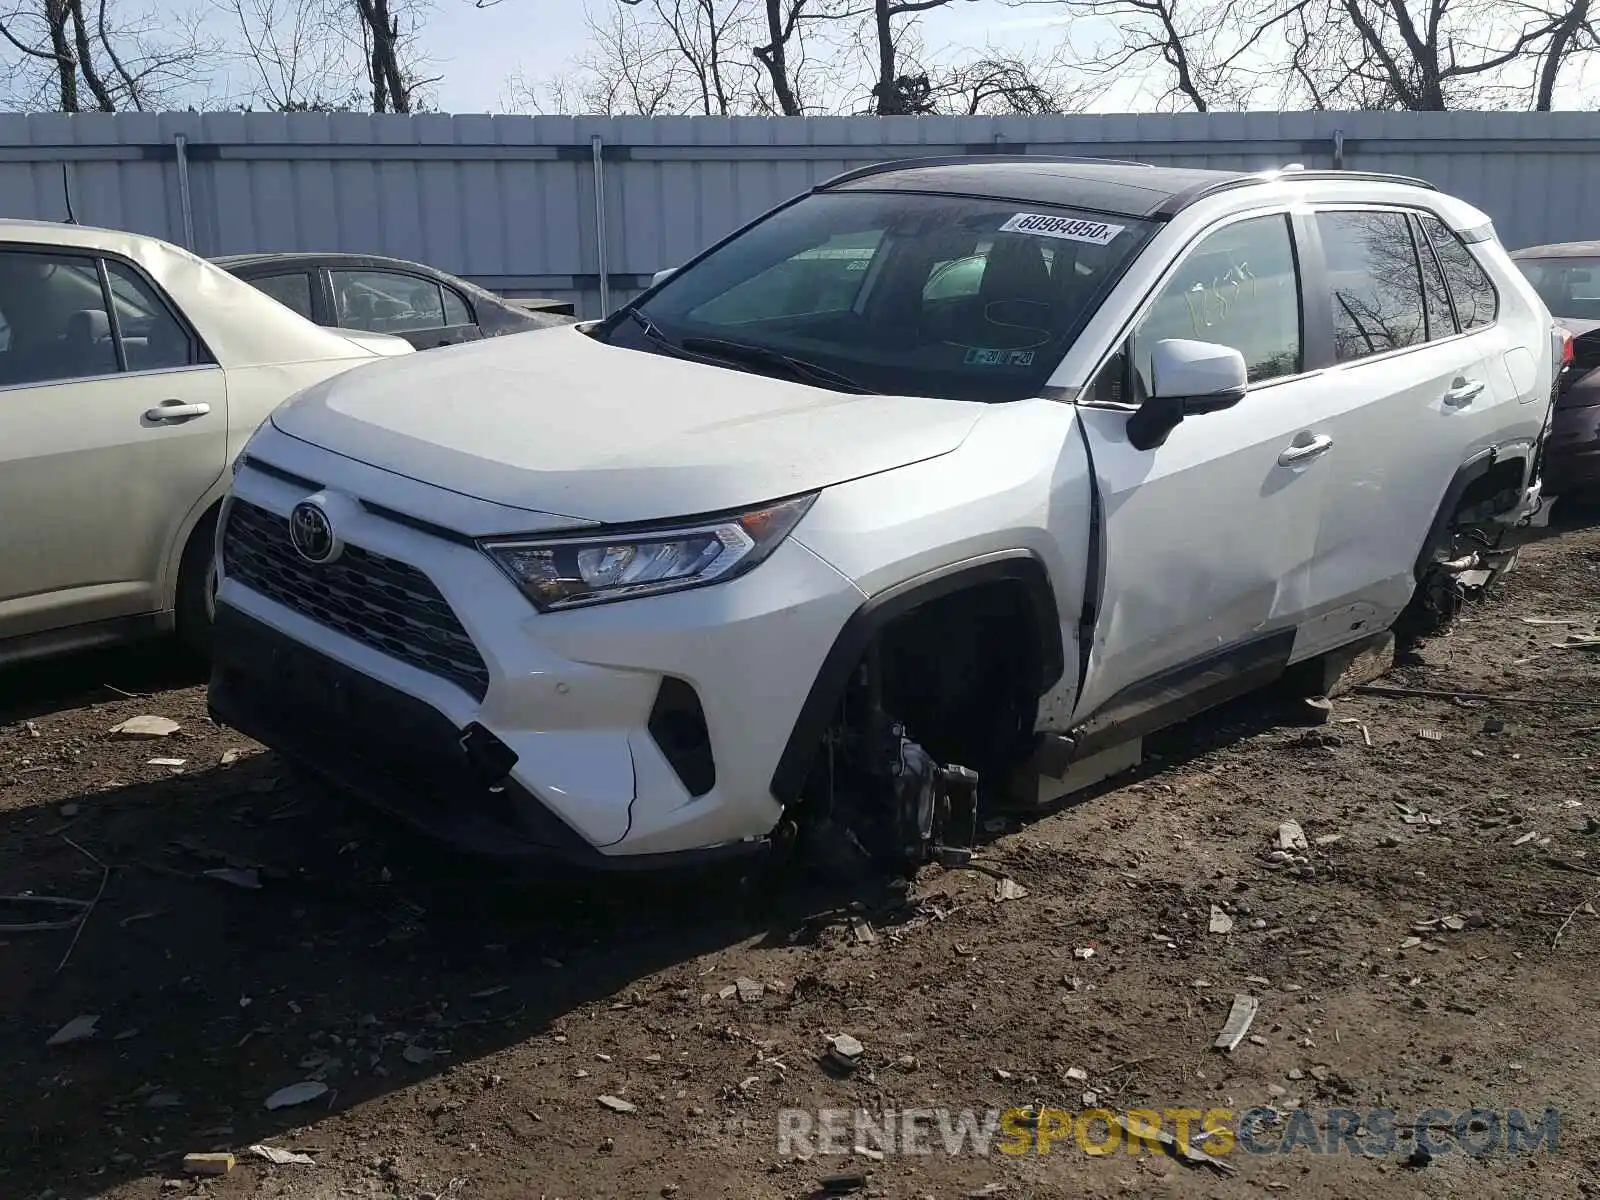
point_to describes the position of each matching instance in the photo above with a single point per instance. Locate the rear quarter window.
(1471, 290)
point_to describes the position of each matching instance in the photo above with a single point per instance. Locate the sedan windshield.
(1569, 287)
(908, 294)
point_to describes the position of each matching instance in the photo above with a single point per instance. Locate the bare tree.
(1425, 55)
(1574, 34)
(994, 83)
(783, 18)
(630, 68)
(294, 54)
(70, 56)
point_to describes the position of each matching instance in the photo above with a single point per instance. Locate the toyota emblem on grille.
(311, 533)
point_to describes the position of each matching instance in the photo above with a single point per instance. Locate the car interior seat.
(86, 345)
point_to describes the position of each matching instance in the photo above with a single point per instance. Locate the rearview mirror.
(662, 276)
(1186, 379)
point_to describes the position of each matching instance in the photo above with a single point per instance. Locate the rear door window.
(152, 338)
(1375, 281)
(387, 302)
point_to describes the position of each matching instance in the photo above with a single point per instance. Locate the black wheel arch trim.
(1022, 567)
(1466, 475)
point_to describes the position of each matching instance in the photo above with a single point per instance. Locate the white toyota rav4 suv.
(922, 488)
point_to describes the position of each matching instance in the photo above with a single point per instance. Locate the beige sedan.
(131, 374)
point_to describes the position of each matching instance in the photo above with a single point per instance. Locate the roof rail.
(961, 160)
(1177, 203)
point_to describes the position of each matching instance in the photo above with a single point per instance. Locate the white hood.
(556, 422)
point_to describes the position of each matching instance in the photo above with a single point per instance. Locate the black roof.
(1560, 250)
(1110, 186)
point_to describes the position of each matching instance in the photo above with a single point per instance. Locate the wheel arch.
(1019, 568)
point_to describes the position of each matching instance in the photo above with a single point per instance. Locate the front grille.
(382, 603)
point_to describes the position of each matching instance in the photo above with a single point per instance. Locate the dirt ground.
(466, 1021)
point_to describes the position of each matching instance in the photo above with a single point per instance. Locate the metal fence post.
(185, 201)
(596, 147)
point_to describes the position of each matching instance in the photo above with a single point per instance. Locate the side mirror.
(662, 276)
(1186, 379)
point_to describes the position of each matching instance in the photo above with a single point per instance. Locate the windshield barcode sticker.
(1068, 229)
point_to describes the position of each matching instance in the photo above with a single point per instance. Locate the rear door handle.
(176, 410)
(1463, 391)
(1299, 452)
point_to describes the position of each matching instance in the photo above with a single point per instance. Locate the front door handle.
(176, 410)
(1463, 391)
(1299, 451)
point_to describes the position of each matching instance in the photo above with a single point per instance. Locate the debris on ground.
(1008, 889)
(297, 1093)
(1240, 1018)
(618, 1104)
(1184, 1152)
(248, 878)
(146, 727)
(844, 1181)
(748, 990)
(208, 1164)
(845, 1051)
(1220, 921)
(1292, 838)
(75, 1030)
(282, 1158)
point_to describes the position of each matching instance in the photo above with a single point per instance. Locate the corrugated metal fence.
(587, 208)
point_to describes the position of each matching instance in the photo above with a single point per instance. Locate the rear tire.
(197, 586)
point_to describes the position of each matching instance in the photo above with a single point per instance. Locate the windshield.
(908, 294)
(1569, 287)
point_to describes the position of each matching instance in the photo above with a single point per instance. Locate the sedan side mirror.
(1186, 379)
(662, 276)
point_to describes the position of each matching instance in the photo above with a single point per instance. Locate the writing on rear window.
(1068, 229)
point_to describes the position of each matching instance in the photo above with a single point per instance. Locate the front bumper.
(568, 702)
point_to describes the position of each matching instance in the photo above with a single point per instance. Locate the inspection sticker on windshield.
(1068, 229)
(977, 357)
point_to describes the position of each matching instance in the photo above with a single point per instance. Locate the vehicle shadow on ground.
(326, 944)
(52, 685)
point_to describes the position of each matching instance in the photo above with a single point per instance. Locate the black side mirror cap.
(1158, 416)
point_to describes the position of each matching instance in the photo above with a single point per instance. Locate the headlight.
(570, 572)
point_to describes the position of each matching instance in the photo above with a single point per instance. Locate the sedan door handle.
(1463, 391)
(1299, 452)
(175, 410)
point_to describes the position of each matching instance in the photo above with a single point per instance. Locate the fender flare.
(1022, 567)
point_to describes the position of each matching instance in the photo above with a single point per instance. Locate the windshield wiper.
(795, 368)
(653, 332)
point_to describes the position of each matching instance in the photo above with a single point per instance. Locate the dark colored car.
(425, 306)
(1567, 278)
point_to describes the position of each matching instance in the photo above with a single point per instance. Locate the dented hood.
(556, 422)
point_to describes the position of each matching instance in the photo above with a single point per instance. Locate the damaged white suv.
(922, 491)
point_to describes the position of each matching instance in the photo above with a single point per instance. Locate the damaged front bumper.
(399, 753)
